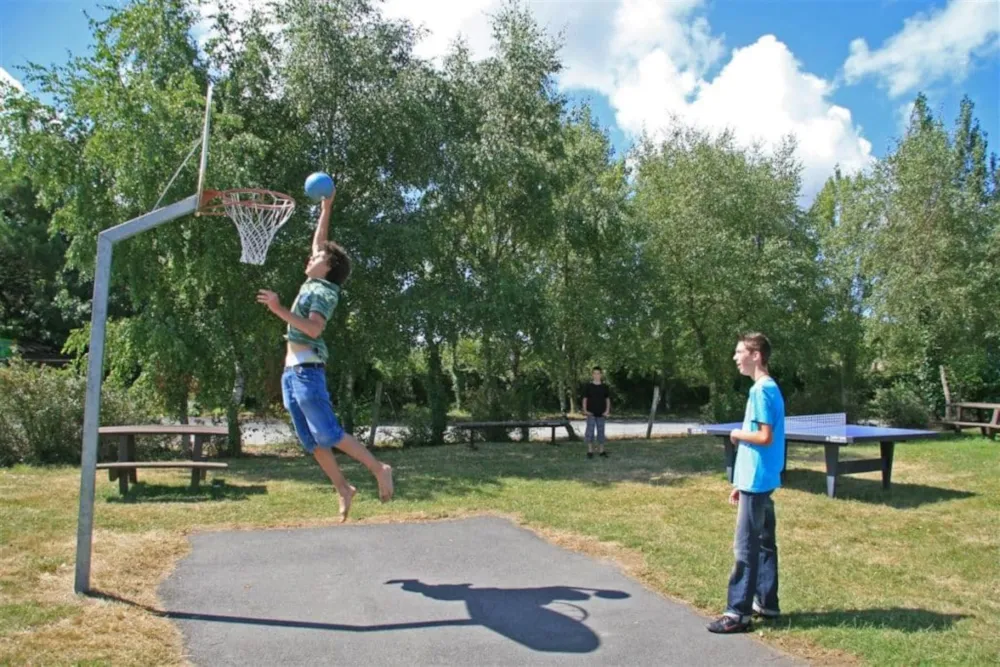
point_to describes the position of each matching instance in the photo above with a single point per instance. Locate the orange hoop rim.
(214, 202)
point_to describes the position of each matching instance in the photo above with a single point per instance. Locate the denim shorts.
(308, 402)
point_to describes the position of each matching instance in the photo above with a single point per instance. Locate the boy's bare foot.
(345, 502)
(385, 489)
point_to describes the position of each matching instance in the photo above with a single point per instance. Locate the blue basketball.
(319, 186)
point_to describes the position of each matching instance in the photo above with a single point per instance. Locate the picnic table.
(124, 470)
(471, 427)
(957, 417)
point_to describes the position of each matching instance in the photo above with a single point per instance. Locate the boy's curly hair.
(339, 262)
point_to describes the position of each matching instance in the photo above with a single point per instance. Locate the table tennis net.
(808, 422)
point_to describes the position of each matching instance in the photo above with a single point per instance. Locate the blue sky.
(839, 74)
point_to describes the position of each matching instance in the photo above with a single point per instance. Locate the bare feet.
(384, 477)
(345, 502)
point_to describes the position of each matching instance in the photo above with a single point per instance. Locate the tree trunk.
(184, 418)
(843, 384)
(375, 410)
(494, 410)
(345, 401)
(235, 439)
(456, 379)
(561, 390)
(523, 401)
(490, 379)
(666, 358)
(350, 401)
(435, 390)
(571, 378)
(652, 412)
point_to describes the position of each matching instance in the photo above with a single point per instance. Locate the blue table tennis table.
(831, 431)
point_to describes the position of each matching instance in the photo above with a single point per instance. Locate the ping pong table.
(831, 431)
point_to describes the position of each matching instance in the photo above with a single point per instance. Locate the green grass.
(907, 577)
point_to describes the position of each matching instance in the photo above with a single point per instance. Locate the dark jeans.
(755, 574)
(594, 422)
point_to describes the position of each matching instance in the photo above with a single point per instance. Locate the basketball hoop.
(257, 214)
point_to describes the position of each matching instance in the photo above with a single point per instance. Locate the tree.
(734, 253)
(595, 287)
(496, 195)
(929, 255)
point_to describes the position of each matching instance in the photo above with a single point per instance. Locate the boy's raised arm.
(323, 226)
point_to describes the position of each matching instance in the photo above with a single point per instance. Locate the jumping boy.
(760, 455)
(303, 383)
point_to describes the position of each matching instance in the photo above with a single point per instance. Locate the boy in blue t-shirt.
(760, 456)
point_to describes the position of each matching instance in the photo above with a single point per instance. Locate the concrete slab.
(479, 591)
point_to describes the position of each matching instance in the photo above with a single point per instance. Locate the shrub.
(41, 412)
(723, 407)
(418, 424)
(900, 405)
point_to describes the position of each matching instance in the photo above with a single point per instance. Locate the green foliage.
(723, 407)
(41, 412)
(419, 426)
(936, 210)
(900, 405)
(500, 248)
(730, 252)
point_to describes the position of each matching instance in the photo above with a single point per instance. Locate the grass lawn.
(906, 577)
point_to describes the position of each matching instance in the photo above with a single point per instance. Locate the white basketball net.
(258, 215)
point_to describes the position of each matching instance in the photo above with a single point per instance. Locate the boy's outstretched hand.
(270, 299)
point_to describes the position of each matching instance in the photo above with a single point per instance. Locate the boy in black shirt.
(597, 407)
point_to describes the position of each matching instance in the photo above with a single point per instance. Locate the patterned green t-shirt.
(315, 296)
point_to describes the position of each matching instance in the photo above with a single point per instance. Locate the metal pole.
(92, 414)
(95, 366)
(204, 144)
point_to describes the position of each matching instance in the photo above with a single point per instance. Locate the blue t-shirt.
(758, 467)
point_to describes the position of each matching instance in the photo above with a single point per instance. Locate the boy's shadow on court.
(521, 614)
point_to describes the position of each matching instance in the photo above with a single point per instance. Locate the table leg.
(831, 452)
(196, 456)
(730, 457)
(134, 472)
(106, 454)
(123, 474)
(784, 463)
(887, 449)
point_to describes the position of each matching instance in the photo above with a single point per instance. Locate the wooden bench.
(956, 413)
(124, 470)
(472, 427)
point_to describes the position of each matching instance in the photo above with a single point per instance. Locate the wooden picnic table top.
(514, 423)
(118, 465)
(164, 429)
(982, 406)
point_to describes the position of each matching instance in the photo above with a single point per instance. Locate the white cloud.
(930, 47)
(762, 94)
(444, 21)
(653, 59)
(903, 113)
(8, 78)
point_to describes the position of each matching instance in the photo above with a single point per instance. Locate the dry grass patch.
(907, 577)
